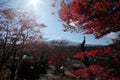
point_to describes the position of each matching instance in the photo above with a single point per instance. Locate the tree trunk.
(12, 76)
(13, 67)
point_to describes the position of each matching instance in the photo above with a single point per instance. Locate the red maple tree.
(18, 30)
(97, 17)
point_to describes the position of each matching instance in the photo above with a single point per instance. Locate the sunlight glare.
(34, 3)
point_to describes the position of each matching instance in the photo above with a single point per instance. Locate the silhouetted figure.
(83, 45)
(85, 60)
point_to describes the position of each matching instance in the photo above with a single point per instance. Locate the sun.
(34, 3)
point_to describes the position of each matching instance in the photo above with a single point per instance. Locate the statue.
(83, 45)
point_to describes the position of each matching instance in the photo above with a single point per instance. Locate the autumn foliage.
(18, 31)
(20, 35)
(97, 17)
(93, 53)
(104, 65)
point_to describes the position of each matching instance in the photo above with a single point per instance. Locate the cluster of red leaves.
(54, 4)
(43, 25)
(19, 31)
(92, 73)
(52, 60)
(98, 17)
(8, 13)
(116, 58)
(88, 72)
(101, 69)
(57, 59)
(93, 53)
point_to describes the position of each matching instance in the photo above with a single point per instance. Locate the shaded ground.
(53, 76)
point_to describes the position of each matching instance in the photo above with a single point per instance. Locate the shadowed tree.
(18, 30)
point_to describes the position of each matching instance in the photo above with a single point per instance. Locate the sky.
(54, 29)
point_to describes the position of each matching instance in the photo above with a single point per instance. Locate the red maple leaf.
(54, 4)
(42, 25)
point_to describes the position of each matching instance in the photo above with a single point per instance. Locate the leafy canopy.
(97, 17)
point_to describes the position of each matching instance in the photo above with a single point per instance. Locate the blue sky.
(54, 29)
